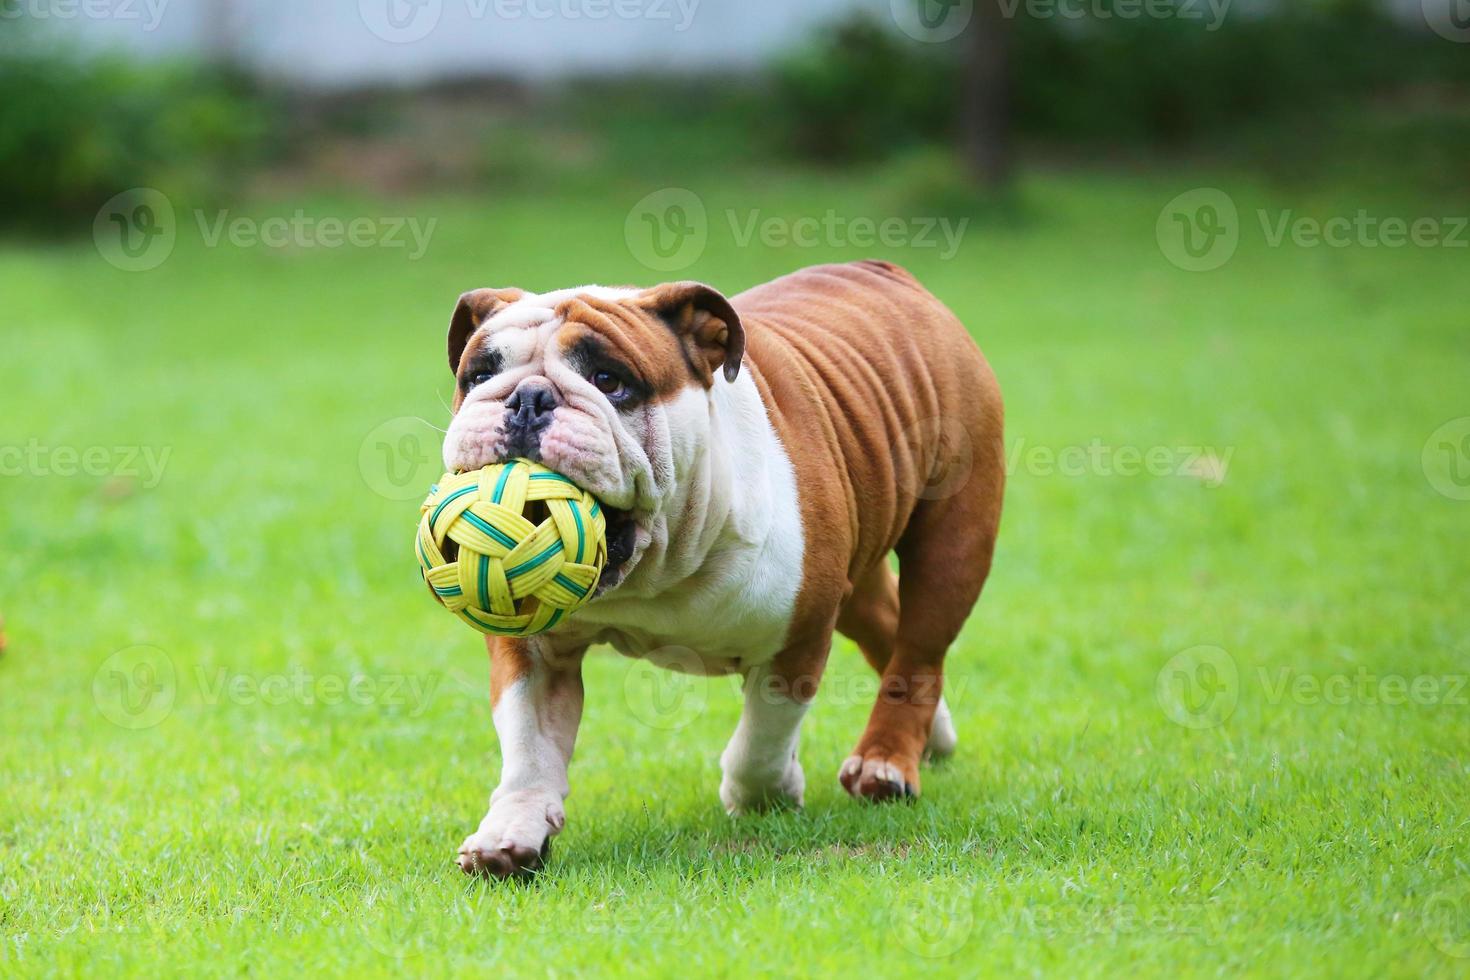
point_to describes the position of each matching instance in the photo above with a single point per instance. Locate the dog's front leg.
(760, 766)
(536, 701)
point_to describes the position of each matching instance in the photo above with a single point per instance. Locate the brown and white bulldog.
(759, 458)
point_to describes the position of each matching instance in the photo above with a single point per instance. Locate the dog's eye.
(486, 364)
(607, 382)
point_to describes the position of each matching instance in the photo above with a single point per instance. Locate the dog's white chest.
(728, 604)
(733, 613)
(727, 620)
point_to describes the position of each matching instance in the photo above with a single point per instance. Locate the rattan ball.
(513, 548)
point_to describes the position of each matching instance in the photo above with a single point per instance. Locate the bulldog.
(759, 458)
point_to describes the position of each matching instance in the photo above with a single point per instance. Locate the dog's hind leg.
(944, 557)
(870, 619)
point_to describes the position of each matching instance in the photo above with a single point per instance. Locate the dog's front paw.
(748, 792)
(514, 839)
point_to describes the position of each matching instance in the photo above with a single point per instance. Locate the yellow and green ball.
(513, 548)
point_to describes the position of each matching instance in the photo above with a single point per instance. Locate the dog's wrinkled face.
(608, 387)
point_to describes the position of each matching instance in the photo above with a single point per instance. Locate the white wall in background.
(336, 43)
(346, 42)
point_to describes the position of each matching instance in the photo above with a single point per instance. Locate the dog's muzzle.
(528, 413)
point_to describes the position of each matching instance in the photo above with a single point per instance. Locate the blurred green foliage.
(862, 90)
(582, 131)
(1307, 87)
(85, 128)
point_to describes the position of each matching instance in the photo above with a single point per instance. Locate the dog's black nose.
(530, 406)
(527, 414)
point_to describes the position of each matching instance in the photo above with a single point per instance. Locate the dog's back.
(907, 395)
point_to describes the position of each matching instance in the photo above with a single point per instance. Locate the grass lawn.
(1213, 718)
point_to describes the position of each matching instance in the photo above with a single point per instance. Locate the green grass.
(1079, 830)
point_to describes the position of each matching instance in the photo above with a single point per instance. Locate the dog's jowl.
(760, 458)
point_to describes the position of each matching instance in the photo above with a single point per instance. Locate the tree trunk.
(985, 125)
(219, 32)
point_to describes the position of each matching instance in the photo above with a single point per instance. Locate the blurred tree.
(985, 104)
(89, 126)
(861, 90)
(220, 33)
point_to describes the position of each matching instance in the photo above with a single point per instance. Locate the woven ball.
(511, 548)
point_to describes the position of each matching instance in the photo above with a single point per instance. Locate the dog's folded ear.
(474, 308)
(704, 321)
